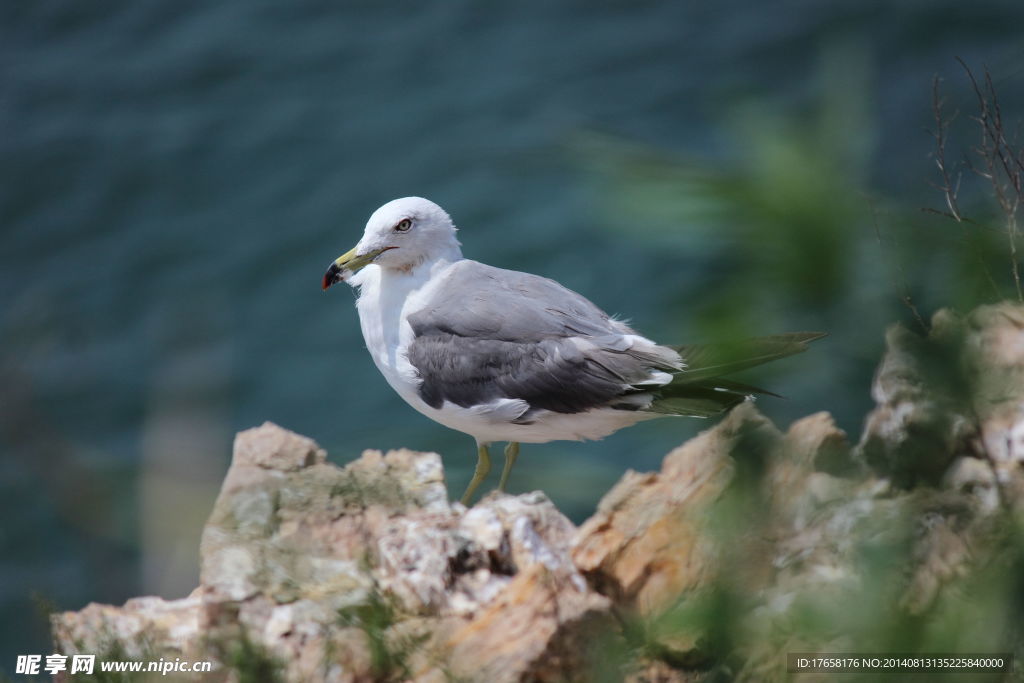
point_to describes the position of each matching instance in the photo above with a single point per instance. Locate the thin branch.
(948, 188)
(1003, 164)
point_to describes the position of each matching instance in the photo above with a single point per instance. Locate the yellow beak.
(349, 263)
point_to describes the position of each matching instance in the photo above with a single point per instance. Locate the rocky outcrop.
(749, 543)
(362, 573)
(958, 393)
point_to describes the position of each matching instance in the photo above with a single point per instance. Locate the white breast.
(383, 317)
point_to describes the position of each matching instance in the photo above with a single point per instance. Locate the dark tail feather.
(700, 390)
(715, 360)
(695, 400)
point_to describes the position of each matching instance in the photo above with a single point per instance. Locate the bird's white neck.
(384, 293)
(404, 281)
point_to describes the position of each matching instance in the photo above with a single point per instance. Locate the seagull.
(505, 356)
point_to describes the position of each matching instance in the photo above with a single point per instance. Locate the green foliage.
(389, 652)
(252, 661)
(782, 216)
(731, 631)
(782, 229)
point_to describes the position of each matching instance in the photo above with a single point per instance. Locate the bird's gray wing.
(488, 334)
(480, 301)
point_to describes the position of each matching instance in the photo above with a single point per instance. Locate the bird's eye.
(403, 225)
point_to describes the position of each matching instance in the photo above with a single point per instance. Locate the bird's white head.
(399, 236)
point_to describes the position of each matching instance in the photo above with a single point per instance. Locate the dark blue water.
(175, 177)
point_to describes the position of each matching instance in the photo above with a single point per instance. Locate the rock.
(537, 628)
(647, 543)
(275, 449)
(959, 392)
(144, 628)
(749, 543)
(657, 540)
(919, 425)
(369, 562)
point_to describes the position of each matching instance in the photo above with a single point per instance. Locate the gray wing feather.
(478, 300)
(491, 333)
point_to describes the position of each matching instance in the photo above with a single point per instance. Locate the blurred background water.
(175, 177)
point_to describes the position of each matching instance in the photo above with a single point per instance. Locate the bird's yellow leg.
(511, 453)
(483, 466)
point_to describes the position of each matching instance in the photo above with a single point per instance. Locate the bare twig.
(948, 188)
(962, 219)
(1003, 162)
